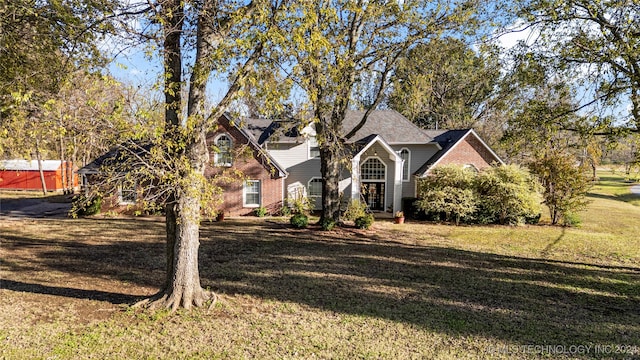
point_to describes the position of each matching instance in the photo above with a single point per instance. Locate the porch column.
(397, 185)
(355, 177)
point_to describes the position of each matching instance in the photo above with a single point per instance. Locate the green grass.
(612, 185)
(416, 290)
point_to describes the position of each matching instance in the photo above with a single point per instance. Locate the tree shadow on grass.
(628, 198)
(528, 301)
(441, 289)
(114, 298)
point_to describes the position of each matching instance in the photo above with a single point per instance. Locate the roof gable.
(448, 140)
(249, 133)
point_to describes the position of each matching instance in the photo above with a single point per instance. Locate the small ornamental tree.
(565, 185)
(507, 194)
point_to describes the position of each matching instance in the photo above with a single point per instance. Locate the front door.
(373, 193)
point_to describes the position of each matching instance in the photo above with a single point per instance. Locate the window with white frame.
(127, 193)
(223, 156)
(405, 154)
(315, 188)
(314, 149)
(251, 193)
(372, 169)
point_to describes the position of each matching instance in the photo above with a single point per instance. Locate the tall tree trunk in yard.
(40, 170)
(184, 145)
(182, 285)
(330, 170)
(63, 166)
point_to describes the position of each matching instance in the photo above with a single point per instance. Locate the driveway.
(33, 208)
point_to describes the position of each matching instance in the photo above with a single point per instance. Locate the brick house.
(280, 159)
(389, 155)
(264, 177)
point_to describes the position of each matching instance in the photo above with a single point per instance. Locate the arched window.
(405, 154)
(372, 169)
(224, 145)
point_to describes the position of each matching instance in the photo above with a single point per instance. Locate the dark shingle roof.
(273, 130)
(131, 149)
(389, 124)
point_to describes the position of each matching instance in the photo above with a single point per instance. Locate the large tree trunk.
(330, 170)
(182, 286)
(331, 149)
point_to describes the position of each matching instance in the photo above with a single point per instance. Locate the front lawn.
(398, 291)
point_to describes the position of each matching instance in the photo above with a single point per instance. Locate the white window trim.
(244, 194)
(408, 162)
(309, 157)
(121, 200)
(217, 154)
(383, 164)
(309, 187)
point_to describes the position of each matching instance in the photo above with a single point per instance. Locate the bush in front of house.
(565, 186)
(285, 211)
(364, 222)
(83, 206)
(505, 194)
(299, 221)
(327, 224)
(356, 208)
(260, 211)
(300, 205)
(448, 193)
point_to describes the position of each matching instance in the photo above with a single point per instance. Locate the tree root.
(174, 300)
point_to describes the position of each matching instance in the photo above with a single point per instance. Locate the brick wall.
(247, 163)
(469, 151)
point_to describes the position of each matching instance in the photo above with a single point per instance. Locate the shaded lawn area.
(413, 291)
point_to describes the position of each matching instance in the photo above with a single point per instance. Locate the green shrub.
(532, 219)
(364, 222)
(299, 221)
(83, 206)
(571, 220)
(260, 211)
(300, 206)
(355, 209)
(327, 224)
(455, 203)
(285, 211)
(507, 194)
(448, 191)
(565, 184)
